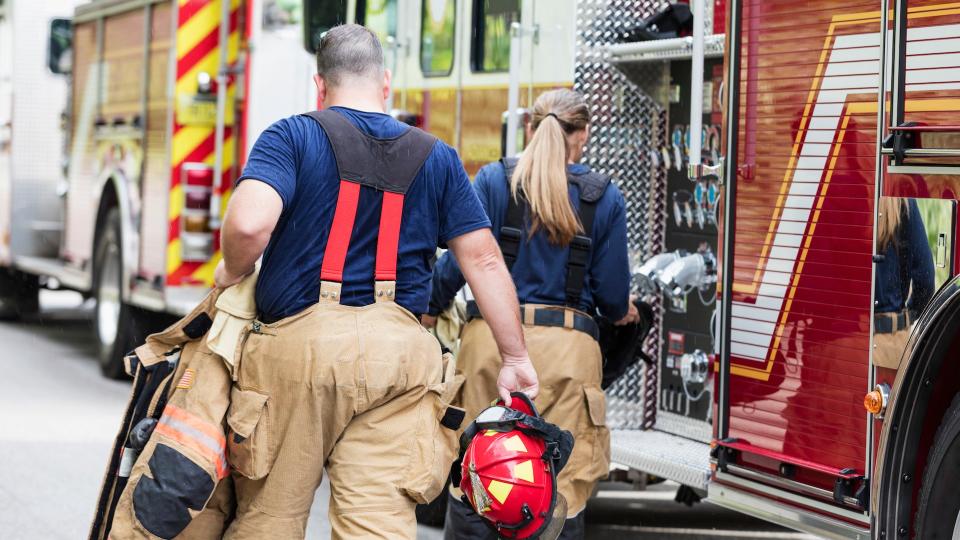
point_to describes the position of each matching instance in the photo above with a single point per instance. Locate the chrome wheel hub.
(108, 298)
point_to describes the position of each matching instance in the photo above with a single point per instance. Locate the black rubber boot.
(463, 523)
(573, 528)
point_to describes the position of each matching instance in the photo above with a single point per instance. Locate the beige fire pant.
(569, 368)
(358, 391)
(888, 348)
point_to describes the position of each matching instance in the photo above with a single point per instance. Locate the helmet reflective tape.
(481, 501)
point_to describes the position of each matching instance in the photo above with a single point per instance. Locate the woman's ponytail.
(541, 173)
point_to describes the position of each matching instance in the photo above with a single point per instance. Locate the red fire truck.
(835, 409)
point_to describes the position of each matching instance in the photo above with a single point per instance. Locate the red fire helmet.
(510, 458)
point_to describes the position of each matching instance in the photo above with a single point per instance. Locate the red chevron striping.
(184, 271)
(203, 47)
(198, 154)
(189, 9)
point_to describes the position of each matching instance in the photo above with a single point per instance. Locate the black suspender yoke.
(592, 185)
(387, 165)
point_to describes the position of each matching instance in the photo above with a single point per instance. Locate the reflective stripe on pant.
(568, 364)
(356, 390)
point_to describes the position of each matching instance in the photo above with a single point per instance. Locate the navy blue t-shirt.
(295, 158)
(540, 269)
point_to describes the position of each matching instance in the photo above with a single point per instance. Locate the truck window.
(281, 13)
(59, 46)
(380, 16)
(318, 17)
(491, 34)
(438, 22)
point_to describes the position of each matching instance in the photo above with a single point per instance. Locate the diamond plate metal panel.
(662, 454)
(628, 129)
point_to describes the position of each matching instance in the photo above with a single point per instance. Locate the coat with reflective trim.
(165, 475)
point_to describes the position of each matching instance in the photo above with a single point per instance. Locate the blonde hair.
(541, 173)
(891, 211)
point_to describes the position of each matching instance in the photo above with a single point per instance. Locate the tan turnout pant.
(357, 391)
(569, 368)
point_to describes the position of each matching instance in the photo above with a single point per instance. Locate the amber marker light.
(875, 402)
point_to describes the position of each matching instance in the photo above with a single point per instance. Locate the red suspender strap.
(388, 239)
(339, 240)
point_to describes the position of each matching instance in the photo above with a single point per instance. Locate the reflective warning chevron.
(197, 43)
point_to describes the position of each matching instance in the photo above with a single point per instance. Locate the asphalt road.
(58, 417)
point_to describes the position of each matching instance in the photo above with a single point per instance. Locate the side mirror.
(60, 46)
(320, 16)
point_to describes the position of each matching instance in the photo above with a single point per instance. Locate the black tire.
(19, 295)
(435, 513)
(118, 327)
(938, 511)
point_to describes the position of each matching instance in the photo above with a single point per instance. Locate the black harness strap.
(579, 254)
(592, 186)
(511, 234)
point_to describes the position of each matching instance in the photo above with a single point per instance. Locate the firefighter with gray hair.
(346, 207)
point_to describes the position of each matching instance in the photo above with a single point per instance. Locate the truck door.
(797, 264)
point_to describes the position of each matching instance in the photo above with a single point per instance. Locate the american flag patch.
(186, 380)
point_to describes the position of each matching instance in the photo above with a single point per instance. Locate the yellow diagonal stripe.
(187, 139)
(176, 202)
(198, 27)
(204, 274)
(524, 471)
(499, 490)
(173, 256)
(187, 84)
(515, 444)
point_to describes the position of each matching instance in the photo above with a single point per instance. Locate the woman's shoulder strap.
(591, 183)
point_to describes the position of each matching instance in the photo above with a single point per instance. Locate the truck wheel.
(938, 512)
(19, 295)
(117, 324)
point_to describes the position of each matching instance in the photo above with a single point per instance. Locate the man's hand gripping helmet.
(508, 467)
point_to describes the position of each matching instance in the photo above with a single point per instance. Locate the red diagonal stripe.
(198, 154)
(190, 9)
(203, 47)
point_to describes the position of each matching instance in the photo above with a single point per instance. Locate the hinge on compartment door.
(851, 488)
(724, 455)
(900, 141)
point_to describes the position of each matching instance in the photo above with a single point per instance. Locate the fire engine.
(124, 123)
(804, 397)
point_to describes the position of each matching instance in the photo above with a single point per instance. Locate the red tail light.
(196, 236)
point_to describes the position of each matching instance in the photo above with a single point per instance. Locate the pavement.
(58, 417)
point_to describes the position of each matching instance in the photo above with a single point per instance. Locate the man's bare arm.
(482, 265)
(252, 214)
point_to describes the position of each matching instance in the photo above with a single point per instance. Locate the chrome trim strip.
(921, 169)
(785, 515)
(788, 484)
(68, 276)
(837, 511)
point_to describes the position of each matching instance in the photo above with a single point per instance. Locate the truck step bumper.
(662, 454)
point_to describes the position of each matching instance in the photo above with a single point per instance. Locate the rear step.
(68, 276)
(661, 454)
